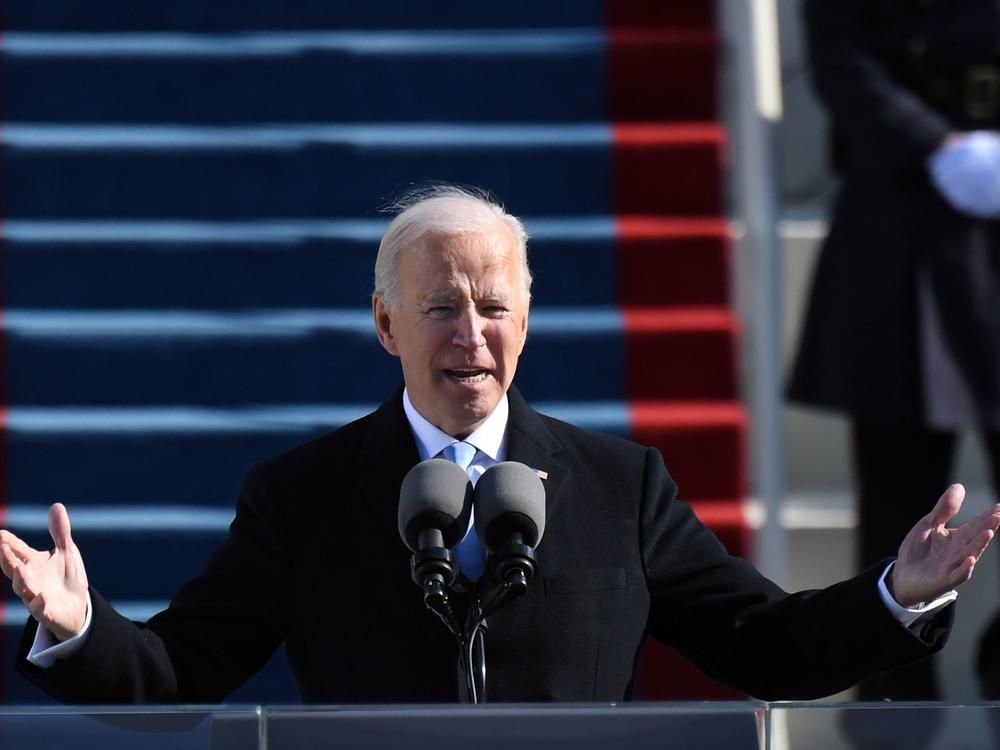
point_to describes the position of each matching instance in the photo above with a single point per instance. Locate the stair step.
(704, 444)
(268, 264)
(643, 65)
(190, 456)
(557, 75)
(93, 358)
(347, 171)
(685, 351)
(673, 262)
(655, 165)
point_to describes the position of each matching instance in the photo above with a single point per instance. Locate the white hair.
(441, 210)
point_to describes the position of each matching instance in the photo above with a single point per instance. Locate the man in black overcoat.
(902, 333)
(314, 559)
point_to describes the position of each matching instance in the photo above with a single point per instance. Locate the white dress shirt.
(490, 438)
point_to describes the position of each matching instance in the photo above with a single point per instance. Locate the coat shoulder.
(321, 455)
(597, 449)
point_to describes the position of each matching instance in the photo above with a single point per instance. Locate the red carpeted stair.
(674, 284)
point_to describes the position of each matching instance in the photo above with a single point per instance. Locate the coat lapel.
(530, 442)
(387, 454)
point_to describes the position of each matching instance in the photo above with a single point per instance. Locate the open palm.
(934, 559)
(51, 583)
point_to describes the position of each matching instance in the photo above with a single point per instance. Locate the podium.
(631, 726)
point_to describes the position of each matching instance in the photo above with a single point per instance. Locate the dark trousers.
(900, 472)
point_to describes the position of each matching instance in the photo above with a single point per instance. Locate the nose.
(469, 330)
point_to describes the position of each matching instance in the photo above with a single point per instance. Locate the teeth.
(468, 376)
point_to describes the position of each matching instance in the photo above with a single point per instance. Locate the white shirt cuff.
(46, 649)
(909, 617)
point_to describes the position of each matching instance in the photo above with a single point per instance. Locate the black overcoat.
(903, 322)
(314, 558)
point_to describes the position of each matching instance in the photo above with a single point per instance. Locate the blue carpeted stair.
(190, 202)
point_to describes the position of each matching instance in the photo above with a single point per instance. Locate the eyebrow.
(490, 295)
(439, 297)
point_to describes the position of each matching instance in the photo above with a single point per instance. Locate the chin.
(471, 416)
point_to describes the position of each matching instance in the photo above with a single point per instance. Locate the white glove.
(966, 171)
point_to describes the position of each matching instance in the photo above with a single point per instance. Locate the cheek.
(509, 344)
(427, 342)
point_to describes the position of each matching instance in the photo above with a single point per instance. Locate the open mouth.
(467, 375)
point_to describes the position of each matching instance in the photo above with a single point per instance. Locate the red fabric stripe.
(704, 444)
(727, 519)
(680, 354)
(654, 414)
(673, 262)
(674, 277)
(670, 134)
(649, 227)
(668, 169)
(642, 319)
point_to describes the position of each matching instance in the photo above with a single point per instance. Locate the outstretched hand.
(934, 559)
(52, 584)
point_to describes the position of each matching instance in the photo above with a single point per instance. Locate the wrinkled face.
(459, 326)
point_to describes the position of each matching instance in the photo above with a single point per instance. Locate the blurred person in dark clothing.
(903, 328)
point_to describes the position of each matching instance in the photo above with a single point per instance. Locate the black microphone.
(435, 502)
(510, 521)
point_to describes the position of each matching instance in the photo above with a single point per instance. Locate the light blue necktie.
(470, 552)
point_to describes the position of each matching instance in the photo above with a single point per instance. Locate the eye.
(439, 311)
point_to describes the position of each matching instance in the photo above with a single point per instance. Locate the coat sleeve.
(219, 629)
(743, 630)
(887, 126)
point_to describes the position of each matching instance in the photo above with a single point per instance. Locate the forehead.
(470, 259)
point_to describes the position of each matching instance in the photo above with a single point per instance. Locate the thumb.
(59, 527)
(948, 506)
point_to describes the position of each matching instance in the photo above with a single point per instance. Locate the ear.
(383, 325)
(524, 329)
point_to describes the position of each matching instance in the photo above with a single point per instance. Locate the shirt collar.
(488, 438)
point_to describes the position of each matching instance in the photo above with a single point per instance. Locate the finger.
(948, 505)
(8, 560)
(17, 546)
(36, 607)
(21, 582)
(962, 572)
(978, 544)
(15, 581)
(991, 516)
(17, 584)
(988, 519)
(59, 526)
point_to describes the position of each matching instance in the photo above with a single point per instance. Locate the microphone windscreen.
(435, 494)
(510, 498)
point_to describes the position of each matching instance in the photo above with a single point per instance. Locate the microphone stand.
(472, 642)
(472, 654)
(431, 567)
